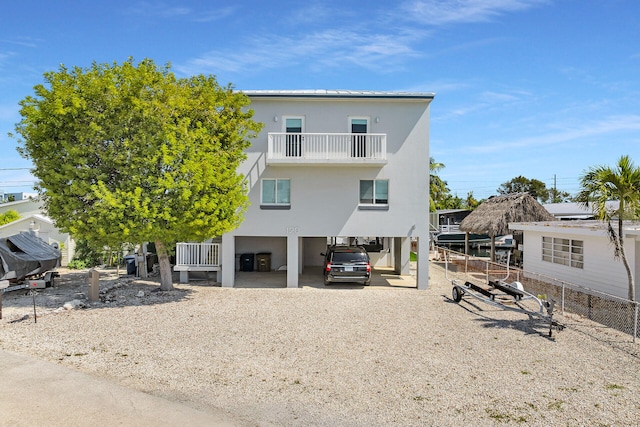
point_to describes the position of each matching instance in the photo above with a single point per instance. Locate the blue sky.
(539, 88)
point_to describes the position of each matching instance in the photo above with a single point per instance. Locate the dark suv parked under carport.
(346, 264)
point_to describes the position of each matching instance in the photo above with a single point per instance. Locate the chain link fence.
(608, 310)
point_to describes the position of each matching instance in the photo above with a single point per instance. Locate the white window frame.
(351, 118)
(563, 251)
(373, 203)
(276, 203)
(284, 122)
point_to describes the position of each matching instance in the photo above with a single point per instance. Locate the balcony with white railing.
(365, 149)
(197, 257)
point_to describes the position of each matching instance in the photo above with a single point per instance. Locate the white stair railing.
(198, 254)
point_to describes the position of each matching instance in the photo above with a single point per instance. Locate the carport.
(382, 278)
(296, 260)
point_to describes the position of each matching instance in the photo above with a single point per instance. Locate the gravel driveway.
(343, 356)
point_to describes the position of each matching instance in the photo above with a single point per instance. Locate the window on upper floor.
(359, 125)
(276, 193)
(563, 251)
(294, 127)
(374, 192)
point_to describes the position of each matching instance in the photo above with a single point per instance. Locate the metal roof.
(576, 226)
(324, 93)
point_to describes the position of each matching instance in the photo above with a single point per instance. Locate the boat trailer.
(507, 296)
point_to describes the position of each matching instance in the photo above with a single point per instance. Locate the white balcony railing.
(324, 148)
(198, 254)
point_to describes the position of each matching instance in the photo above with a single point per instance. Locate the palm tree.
(437, 187)
(601, 184)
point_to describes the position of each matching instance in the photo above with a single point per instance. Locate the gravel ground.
(376, 356)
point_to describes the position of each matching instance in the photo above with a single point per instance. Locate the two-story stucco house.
(334, 166)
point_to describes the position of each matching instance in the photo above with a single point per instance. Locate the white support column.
(228, 260)
(293, 260)
(423, 262)
(402, 255)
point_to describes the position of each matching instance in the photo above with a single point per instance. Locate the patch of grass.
(525, 372)
(504, 417)
(556, 405)
(614, 387)
(413, 256)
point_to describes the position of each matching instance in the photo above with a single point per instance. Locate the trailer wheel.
(457, 293)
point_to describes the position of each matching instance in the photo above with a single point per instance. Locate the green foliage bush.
(9, 216)
(86, 255)
(77, 264)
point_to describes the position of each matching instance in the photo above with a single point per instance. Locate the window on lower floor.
(563, 251)
(374, 192)
(276, 192)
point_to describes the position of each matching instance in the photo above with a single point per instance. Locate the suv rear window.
(349, 257)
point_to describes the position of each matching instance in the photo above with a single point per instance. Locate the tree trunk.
(623, 255)
(166, 280)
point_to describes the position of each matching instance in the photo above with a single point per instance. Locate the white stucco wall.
(324, 199)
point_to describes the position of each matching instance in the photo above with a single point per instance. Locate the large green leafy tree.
(130, 153)
(535, 188)
(520, 184)
(601, 184)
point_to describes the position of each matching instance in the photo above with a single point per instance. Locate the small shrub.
(77, 264)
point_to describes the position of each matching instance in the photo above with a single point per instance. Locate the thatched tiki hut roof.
(493, 216)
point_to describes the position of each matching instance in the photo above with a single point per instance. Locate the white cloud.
(157, 9)
(382, 40)
(169, 12)
(608, 125)
(331, 48)
(215, 15)
(441, 12)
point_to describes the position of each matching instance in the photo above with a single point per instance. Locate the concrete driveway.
(312, 277)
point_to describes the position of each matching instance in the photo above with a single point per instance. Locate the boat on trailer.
(26, 256)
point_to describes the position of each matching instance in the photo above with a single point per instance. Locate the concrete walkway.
(39, 393)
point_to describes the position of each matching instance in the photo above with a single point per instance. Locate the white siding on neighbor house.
(601, 271)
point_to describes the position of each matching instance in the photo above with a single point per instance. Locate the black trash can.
(264, 261)
(246, 262)
(130, 261)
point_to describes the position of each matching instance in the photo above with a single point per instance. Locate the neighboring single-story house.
(581, 253)
(32, 218)
(572, 210)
